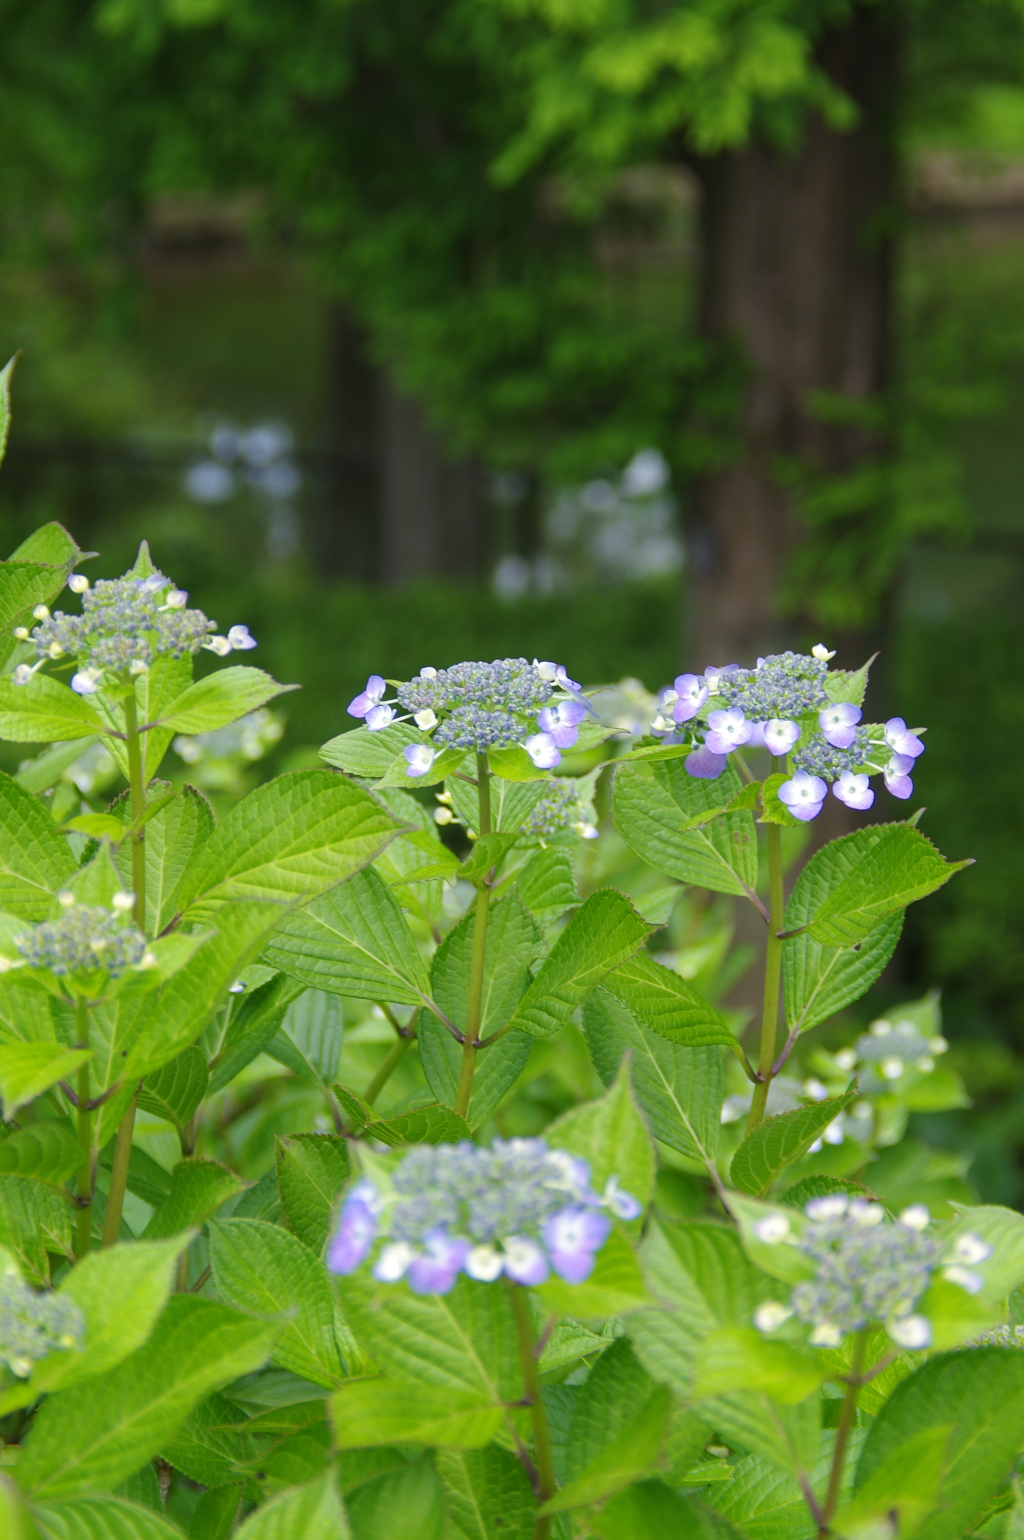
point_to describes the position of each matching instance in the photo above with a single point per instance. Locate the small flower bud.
(880, 1028)
(86, 681)
(22, 674)
(771, 1315)
(815, 1090)
(240, 640)
(22, 633)
(970, 1248)
(138, 666)
(148, 960)
(821, 652)
(832, 1206)
(219, 645)
(41, 612)
(428, 673)
(916, 1217)
(55, 650)
(443, 815)
(912, 1331)
(892, 1067)
(425, 720)
(846, 1058)
(825, 1335)
(772, 1229)
(122, 902)
(66, 899)
(176, 599)
(237, 987)
(78, 583)
(938, 1045)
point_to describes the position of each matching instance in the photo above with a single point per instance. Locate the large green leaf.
(624, 1461)
(47, 1151)
(44, 711)
(651, 1508)
(252, 1024)
(666, 1003)
(91, 1436)
(353, 941)
(29, 1069)
(292, 838)
(173, 837)
(611, 1136)
(890, 872)
(198, 1188)
(34, 859)
(208, 1447)
(33, 1221)
(487, 1493)
(309, 1038)
(903, 1490)
(601, 935)
(370, 755)
(34, 574)
(175, 1091)
(381, 1411)
(221, 698)
(162, 682)
(311, 1512)
(261, 1269)
(547, 883)
(778, 1141)
(420, 1125)
(680, 1089)
(981, 1393)
(511, 801)
(311, 1171)
(660, 812)
(215, 1513)
(403, 1503)
(101, 1518)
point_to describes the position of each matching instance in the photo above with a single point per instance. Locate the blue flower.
(897, 780)
(839, 724)
(368, 698)
(686, 698)
(854, 790)
(543, 750)
(901, 740)
(419, 758)
(728, 730)
(573, 1238)
(778, 735)
(803, 795)
(357, 1229)
(435, 1270)
(705, 765)
(561, 722)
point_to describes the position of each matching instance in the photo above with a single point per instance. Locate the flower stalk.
(471, 1045)
(772, 977)
(847, 1414)
(544, 1469)
(84, 1186)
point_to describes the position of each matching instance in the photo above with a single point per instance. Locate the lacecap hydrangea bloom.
(518, 1209)
(866, 1271)
(886, 1050)
(558, 809)
(125, 624)
(83, 940)
(34, 1325)
(783, 705)
(480, 706)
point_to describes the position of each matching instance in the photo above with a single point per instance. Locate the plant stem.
(532, 1396)
(476, 973)
(772, 975)
(394, 1057)
(846, 1416)
(136, 782)
(83, 1229)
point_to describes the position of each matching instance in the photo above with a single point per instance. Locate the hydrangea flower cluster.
(519, 1209)
(481, 706)
(866, 1270)
(1006, 1335)
(887, 1048)
(85, 938)
(34, 1325)
(768, 706)
(125, 623)
(559, 808)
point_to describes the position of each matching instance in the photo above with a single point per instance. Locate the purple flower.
(419, 758)
(854, 790)
(357, 1229)
(690, 695)
(379, 716)
(803, 795)
(714, 674)
(780, 735)
(839, 724)
(901, 740)
(543, 750)
(435, 1270)
(238, 636)
(524, 1260)
(368, 698)
(573, 1236)
(706, 765)
(729, 730)
(555, 673)
(561, 722)
(897, 779)
(622, 1204)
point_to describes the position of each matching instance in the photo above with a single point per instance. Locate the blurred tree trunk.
(798, 269)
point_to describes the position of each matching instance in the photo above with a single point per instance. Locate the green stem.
(83, 1229)
(394, 1057)
(532, 1397)
(119, 1172)
(471, 1045)
(846, 1416)
(772, 975)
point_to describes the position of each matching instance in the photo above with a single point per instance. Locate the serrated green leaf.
(820, 1187)
(311, 1512)
(207, 1448)
(33, 1221)
(652, 808)
(35, 861)
(309, 1038)
(778, 1141)
(616, 1392)
(91, 1436)
(253, 1023)
(101, 1518)
(422, 1125)
(487, 1493)
(355, 1109)
(198, 1188)
(354, 941)
(739, 1358)
(547, 883)
(497, 1068)
(370, 755)
(292, 838)
(44, 710)
(902, 1491)
(311, 1171)
(628, 1458)
(848, 686)
(511, 801)
(615, 1287)
(601, 935)
(486, 856)
(680, 1089)
(162, 682)
(261, 1269)
(174, 835)
(380, 1411)
(403, 1503)
(175, 1091)
(98, 826)
(221, 698)
(898, 868)
(611, 1136)
(665, 1002)
(215, 1514)
(981, 1393)
(651, 1508)
(47, 1151)
(773, 809)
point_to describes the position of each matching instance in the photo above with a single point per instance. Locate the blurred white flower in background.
(260, 458)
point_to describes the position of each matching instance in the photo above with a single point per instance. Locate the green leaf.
(513, 763)
(91, 1436)
(34, 574)
(371, 755)
(261, 1269)
(380, 1411)
(901, 865)
(35, 861)
(207, 1448)
(680, 1089)
(292, 838)
(174, 835)
(311, 1171)
(486, 856)
(215, 1514)
(355, 1109)
(354, 941)
(666, 1003)
(102, 1518)
(97, 826)
(773, 809)
(1003, 1229)
(650, 1508)
(405, 1503)
(848, 686)
(511, 801)
(221, 698)
(547, 883)
(40, 773)
(175, 1091)
(739, 1358)
(601, 935)
(658, 812)
(252, 1025)
(612, 1402)
(33, 1221)
(16, 1522)
(778, 1141)
(611, 1136)
(311, 1512)
(309, 1038)
(625, 1460)
(198, 1188)
(902, 1491)
(422, 1125)
(162, 682)
(615, 1287)
(981, 1393)
(487, 1493)
(498, 1067)
(47, 1151)
(44, 710)
(446, 763)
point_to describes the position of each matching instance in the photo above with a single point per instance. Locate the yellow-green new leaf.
(739, 1358)
(365, 1413)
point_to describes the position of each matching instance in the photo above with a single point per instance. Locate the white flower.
(138, 666)
(443, 815)
(911, 1331)
(240, 640)
(176, 599)
(916, 1217)
(122, 902)
(970, 1248)
(821, 652)
(770, 1315)
(55, 650)
(938, 1045)
(418, 758)
(880, 1028)
(41, 612)
(86, 681)
(148, 960)
(393, 1262)
(866, 1214)
(428, 673)
(78, 583)
(22, 674)
(772, 1229)
(846, 1058)
(219, 645)
(237, 987)
(891, 1067)
(972, 1282)
(825, 1335)
(21, 633)
(832, 1206)
(484, 1263)
(425, 720)
(66, 899)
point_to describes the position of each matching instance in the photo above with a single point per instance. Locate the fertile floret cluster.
(819, 757)
(866, 1270)
(787, 684)
(559, 808)
(34, 1325)
(519, 1208)
(125, 624)
(481, 706)
(884, 1052)
(1007, 1336)
(83, 939)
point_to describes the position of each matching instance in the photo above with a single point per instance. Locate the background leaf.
(175, 1091)
(487, 1494)
(309, 1038)
(35, 861)
(311, 1171)
(221, 698)
(29, 1069)
(198, 1188)
(666, 1003)
(778, 1141)
(612, 1136)
(102, 1518)
(365, 1412)
(311, 1512)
